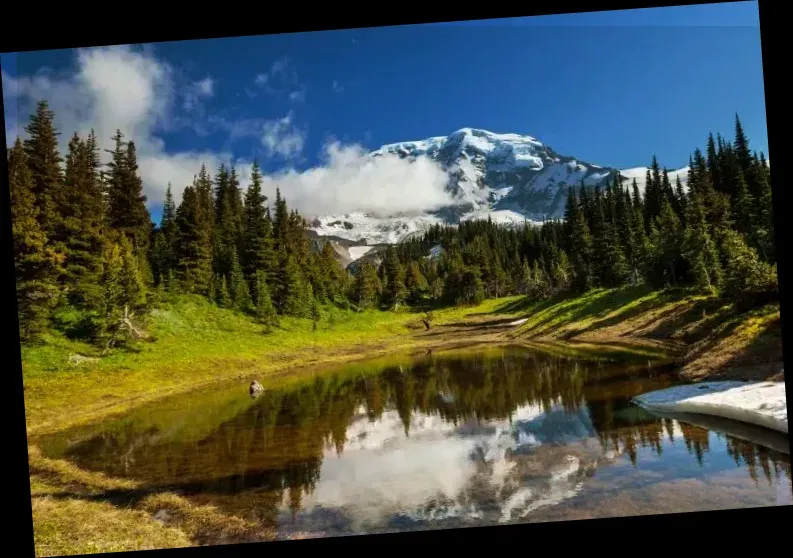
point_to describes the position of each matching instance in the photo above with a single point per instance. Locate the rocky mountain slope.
(510, 178)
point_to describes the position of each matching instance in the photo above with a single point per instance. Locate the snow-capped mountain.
(509, 178)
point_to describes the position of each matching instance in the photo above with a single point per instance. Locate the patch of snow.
(640, 174)
(518, 322)
(358, 252)
(762, 403)
(499, 216)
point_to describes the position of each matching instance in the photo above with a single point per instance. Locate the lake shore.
(199, 345)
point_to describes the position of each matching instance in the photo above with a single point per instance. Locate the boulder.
(256, 388)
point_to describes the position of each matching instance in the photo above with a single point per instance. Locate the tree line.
(716, 235)
(87, 252)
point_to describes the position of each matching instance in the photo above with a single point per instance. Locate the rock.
(256, 388)
(78, 359)
(162, 516)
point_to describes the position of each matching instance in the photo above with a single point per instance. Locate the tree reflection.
(280, 441)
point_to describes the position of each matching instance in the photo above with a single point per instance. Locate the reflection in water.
(446, 440)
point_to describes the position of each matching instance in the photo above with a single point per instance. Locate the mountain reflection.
(480, 436)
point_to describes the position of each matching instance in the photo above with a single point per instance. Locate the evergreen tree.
(35, 263)
(264, 308)
(133, 283)
(415, 283)
(395, 291)
(680, 196)
(665, 243)
(743, 206)
(224, 299)
(127, 211)
(238, 286)
(562, 272)
(526, 278)
(193, 258)
(366, 287)
(44, 162)
(80, 226)
(257, 244)
(698, 249)
(294, 301)
(580, 244)
(472, 289)
(743, 155)
(744, 271)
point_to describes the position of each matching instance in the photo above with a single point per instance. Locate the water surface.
(462, 438)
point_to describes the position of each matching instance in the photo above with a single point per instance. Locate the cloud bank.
(132, 90)
(351, 180)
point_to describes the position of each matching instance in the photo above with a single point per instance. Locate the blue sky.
(612, 88)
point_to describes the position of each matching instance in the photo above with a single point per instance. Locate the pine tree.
(224, 299)
(80, 226)
(665, 241)
(44, 160)
(257, 245)
(765, 213)
(294, 289)
(35, 263)
(193, 258)
(127, 211)
(526, 278)
(366, 287)
(743, 155)
(395, 290)
(743, 206)
(472, 289)
(540, 280)
(580, 243)
(698, 249)
(680, 196)
(114, 295)
(416, 283)
(264, 309)
(561, 272)
(744, 271)
(134, 286)
(238, 286)
(712, 168)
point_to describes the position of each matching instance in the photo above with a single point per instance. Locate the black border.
(707, 530)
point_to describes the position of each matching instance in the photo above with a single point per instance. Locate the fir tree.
(665, 241)
(257, 245)
(35, 263)
(127, 211)
(80, 230)
(366, 287)
(134, 286)
(238, 286)
(264, 309)
(416, 283)
(698, 249)
(193, 258)
(224, 299)
(44, 160)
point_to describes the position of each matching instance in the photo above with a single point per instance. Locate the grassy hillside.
(194, 342)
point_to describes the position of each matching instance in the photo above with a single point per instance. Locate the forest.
(88, 257)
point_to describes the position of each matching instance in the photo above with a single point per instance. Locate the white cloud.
(196, 91)
(282, 137)
(351, 181)
(132, 90)
(117, 88)
(281, 80)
